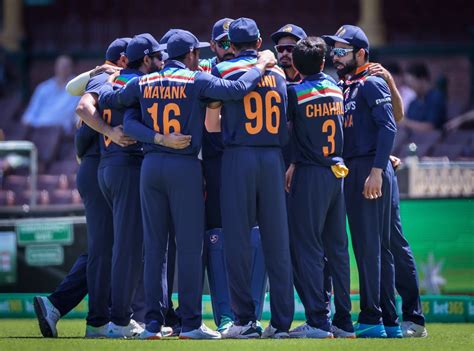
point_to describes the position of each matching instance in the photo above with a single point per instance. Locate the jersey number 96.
(261, 111)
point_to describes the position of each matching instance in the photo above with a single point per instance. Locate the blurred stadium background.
(42, 228)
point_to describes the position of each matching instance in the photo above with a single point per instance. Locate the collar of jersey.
(317, 76)
(174, 63)
(359, 72)
(252, 53)
(131, 71)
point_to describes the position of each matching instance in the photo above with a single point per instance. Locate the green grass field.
(24, 335)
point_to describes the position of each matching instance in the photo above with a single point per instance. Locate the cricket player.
(369, 131)
(316, 199)
(254, 130)
(171, 101)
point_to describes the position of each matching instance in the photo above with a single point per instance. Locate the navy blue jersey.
(114, 117)
(212, 145)
(259, 119)
(369, 125)
(316, 108)
(86, 142)
(172, 100)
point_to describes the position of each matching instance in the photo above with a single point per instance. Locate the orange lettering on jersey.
(147, 92)
(155, 93)
(326, 111)
(309, 111)
(267, 81)
(182, 93)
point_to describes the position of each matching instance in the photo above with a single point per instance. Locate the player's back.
(114, 118)
(171, 103)
(259, 119)
(317, 110)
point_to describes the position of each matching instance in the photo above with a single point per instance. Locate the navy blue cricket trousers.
(253, 191)
(99, 242)
(120, 185)
(172, 187)
(317, 230)
(406, 276)
(369, 222)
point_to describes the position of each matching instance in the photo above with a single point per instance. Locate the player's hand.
(266, 58)
(118, 137)
(373, 184)
(112, 77)
(174, 140)
(395, 161)
(105, 68)
(376, 69)
(289, 177)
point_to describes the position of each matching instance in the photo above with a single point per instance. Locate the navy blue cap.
(221, 28)
(183, 42)
(243, 30)
(164, 39)
(141, 45)
(116, 49)
(350, 35)
(288, 30)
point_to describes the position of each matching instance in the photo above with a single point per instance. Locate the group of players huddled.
(244, 165)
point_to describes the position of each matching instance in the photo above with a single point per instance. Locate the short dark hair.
(135, 64)
(308, 55)
(251, 45)
(366, 53)
(419, 70)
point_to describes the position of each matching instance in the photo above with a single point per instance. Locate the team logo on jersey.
(340, 31)
(354, 92)
(226, 25)
(214, 238)
(288, 29)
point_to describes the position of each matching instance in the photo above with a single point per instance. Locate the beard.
(285, 62)
(154, 68)
(345, 69)
(225, 57)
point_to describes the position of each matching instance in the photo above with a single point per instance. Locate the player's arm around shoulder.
(124, 97)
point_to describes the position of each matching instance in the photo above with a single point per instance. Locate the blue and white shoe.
(131, 331)
(341, 333)
(273, 333)
(251, 330)
(370, 331)
(47, 315)
(201, 333)
(148, 335)
(225, 324)
(306, 331)
(97, 332)
(394, 332)
(413, 330)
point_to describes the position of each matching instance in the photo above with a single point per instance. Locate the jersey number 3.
(255, 106)
(167, 122)
(329, 127)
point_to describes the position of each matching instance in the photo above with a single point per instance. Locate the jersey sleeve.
(95, 83)
(83, 138)
(126, 97)
(133, 126)
(379, 100)
(222, 89)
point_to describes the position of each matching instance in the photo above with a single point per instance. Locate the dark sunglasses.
(282, 48)
(224, 44)
(340, 52)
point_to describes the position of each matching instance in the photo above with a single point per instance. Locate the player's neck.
(290, 72)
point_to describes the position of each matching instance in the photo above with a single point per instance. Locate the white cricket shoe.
(252, 330)
(341, 333)
(273, 333)
(47, 315)
(307, 331)
(413, 330)
(200, 333)
(97, 332)
(130, 331)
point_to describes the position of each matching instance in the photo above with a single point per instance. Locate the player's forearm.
(138, 131)
(385, 140)
(213, 120)
(77, 85)
(91, 117)
(397, 102)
